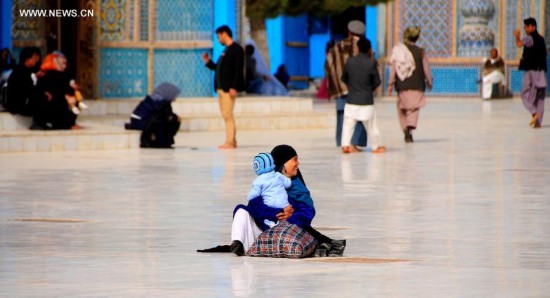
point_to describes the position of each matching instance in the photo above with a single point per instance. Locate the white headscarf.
(403, 59)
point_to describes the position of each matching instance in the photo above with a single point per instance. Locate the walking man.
(229, 79)
(533, 62)
(411, 74)
(334, 68)
(362, 78)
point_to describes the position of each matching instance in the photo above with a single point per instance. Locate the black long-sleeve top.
(229, 69)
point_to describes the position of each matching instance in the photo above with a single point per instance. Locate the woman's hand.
(286, 214)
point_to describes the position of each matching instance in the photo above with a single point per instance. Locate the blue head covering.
(165, 91)
(263, 163)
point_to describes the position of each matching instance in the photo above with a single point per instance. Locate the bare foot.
(380, 149)
(227, 146)
(76, 126)
(351, 149)
(534, 119)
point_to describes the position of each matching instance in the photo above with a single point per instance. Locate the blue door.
(296, 47)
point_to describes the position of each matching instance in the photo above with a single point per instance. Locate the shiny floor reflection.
(466, 207)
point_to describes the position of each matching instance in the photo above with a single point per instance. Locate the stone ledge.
(207, 106)
(68, 140)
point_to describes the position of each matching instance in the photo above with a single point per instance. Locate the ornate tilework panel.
(131, 19)
(476, 34)
(435, 17)
(547, 23)
(240, 22)
(27, 28)
(112, 20)
(526, 9)
(445, 79)
(184, 19)
(122, 73)
(511, 25)
(446, 82)
(516, 76)
(144, 20)
(185, 69)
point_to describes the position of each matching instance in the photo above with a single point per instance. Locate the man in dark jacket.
(533, 62)
(362, 78)
(23, 94)
(229, 79)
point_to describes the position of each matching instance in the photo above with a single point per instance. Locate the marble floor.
(462, 212)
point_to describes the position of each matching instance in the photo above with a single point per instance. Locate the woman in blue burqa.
(258, 78)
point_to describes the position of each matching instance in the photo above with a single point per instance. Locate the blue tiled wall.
(122, 72)
(451, 80)
(516, 77)
(457, 80)
(185, 69)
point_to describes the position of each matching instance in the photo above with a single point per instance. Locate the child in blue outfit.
(269, 185)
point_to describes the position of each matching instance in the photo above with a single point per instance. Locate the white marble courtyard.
(462, 212)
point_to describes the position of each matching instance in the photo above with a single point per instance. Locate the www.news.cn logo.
(56, 13)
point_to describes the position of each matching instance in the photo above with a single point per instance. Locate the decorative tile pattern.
(435, 17)
(516, 76)
(526, 9)
(185, 69)
(184, 20)
(122, 73)
(144, 20)
(27, 28)
(131, 19)
(511, 25)
(476, 38)
(240, 30)
(112, 20)
(547, 24)
(445, 80)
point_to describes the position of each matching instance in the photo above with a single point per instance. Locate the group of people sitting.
(42, 89)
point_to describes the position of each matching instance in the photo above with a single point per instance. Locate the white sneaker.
(75, 110)
(82, 105)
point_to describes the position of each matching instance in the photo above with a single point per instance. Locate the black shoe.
(337, 248)
(237, 248)
(408, 135)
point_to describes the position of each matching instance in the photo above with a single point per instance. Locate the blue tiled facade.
(123, 72)
(515, 80)
(480, 25)
(185, 69)
(128, 67)
(457, 80)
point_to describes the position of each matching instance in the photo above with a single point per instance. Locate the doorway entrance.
(74, 37)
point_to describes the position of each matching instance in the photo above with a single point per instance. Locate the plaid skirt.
(284, 240)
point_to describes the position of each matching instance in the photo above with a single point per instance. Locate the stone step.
(208, 106)
(9, 122)
(257, 122)
(89, 138)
